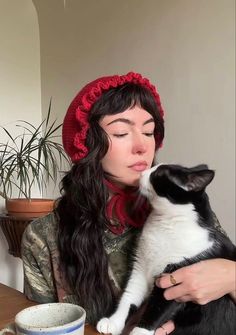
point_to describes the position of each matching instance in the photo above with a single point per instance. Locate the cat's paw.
(141, 331)
(108, 326)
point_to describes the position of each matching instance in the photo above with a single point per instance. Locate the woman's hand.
(201, 282)
(165, 329)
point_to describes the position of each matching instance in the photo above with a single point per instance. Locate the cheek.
(116, 158)
(151, 151)
(112, 158)
(116, 149)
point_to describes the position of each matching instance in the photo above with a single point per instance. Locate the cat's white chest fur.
(170, 238)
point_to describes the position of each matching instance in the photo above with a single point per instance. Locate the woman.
(80, 252)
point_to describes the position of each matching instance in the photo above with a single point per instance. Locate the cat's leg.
(157, 312)
(134, 294)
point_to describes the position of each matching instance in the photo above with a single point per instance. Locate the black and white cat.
(179, 231)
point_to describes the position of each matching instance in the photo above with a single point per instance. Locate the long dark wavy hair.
(82, 206)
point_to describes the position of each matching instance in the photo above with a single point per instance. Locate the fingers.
(166, 328)
(177, 293)
(185, 298)
(169, 294)
(174, 288)
(169, 279)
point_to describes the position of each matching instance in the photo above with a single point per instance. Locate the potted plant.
(30, 159)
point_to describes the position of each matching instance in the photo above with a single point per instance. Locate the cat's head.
(175, 184)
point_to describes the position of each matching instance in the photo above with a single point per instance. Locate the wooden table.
(13, 301)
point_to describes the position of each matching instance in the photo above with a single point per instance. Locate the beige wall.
(186, 47)
(20, 93)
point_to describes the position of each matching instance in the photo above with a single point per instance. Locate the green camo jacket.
(42, 279)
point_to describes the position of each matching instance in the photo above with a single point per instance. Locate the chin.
(128, 181)
(133, 182)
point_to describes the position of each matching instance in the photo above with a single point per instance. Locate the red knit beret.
(75, 125)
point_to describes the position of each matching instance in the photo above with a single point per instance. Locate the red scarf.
(118, 204)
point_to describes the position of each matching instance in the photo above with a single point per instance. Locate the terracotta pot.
(32, 208)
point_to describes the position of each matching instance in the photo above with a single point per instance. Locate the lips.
(139, 166)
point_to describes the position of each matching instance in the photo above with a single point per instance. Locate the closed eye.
(149, 134)
(120, 135)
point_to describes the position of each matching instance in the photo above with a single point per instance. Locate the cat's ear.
(194, 180)
(198, 180)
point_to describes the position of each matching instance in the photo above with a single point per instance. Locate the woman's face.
(132, 145)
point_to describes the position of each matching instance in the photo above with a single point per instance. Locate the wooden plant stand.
(13, 228)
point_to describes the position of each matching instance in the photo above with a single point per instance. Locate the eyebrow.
(129, 122)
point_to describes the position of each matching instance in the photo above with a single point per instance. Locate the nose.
(139, 144)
